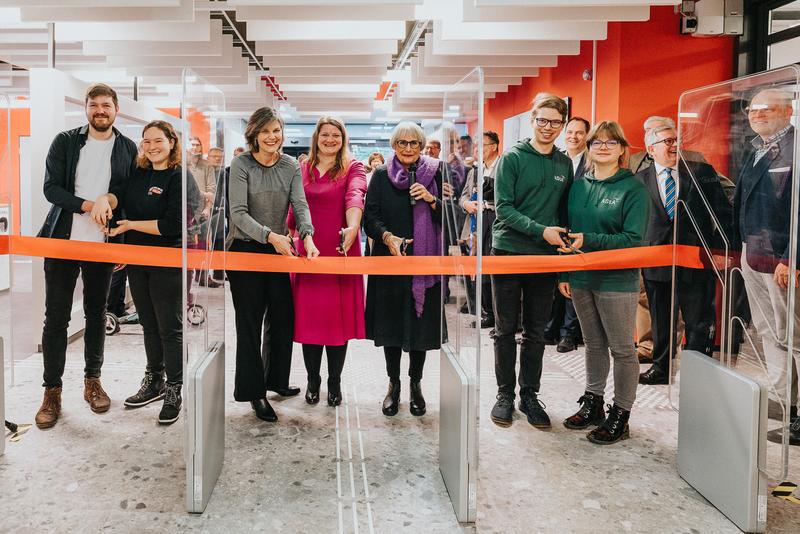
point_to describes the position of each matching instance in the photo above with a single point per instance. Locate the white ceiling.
(310, 56)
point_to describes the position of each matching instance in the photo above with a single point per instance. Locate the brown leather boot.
(50, 409)
(94, 394)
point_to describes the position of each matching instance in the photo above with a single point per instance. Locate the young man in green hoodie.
(531, 187)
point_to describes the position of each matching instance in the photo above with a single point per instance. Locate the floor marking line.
(350, 460)
(370, 521)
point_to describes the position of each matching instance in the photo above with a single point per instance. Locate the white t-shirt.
(92, 178)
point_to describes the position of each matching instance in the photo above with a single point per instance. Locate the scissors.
(291, 242)
(565, 237)
(404, 246)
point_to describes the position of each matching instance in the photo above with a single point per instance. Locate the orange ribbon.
(629, 258)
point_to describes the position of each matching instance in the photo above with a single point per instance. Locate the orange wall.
(199, 124)
(642, 68)
(9, 172)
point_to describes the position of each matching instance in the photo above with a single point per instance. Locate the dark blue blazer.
(762, 205)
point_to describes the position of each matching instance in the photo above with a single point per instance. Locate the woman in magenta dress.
(329, 308)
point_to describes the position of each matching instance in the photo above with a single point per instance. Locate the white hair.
(652, 136)
(657, 118)
(406, 129)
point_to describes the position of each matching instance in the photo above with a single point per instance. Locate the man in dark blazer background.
(674, 187)
(763, 217)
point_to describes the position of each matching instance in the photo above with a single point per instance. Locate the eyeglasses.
(611, 143)
(669, 141)
(751, 110)
(402, 143)
(541, 123)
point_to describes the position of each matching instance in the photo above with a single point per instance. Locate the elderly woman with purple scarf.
(403, 215)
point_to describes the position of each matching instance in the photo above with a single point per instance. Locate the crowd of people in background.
(428, 196)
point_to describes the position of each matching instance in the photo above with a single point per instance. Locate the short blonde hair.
(408, 129)
(549, 100)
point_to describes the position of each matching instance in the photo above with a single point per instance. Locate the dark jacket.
(611, 214)
(698, 182)
(762, 206)
(390, 317)
(59, 178)
(530, 194)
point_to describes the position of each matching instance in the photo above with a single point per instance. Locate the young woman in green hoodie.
(608, 209)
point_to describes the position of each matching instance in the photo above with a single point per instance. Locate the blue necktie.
(669, 193)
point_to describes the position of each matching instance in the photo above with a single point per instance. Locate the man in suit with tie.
(670, 183)
(762, 211)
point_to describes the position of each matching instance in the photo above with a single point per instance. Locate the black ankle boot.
(312, 392)
(391, 403)
(263, 410)
(416, 401)
(334, 394)
(613, 429)
(590, 413)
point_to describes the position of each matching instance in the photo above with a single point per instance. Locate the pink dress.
(329, 308)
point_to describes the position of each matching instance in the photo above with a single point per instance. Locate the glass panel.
(784, 17)
(745, 130)
(6, 201)
(203, 206)
(784, 53)
(462, 141)
(461, 137)
(202, 140)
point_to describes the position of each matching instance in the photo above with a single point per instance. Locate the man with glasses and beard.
(762, 218)
(82, 164)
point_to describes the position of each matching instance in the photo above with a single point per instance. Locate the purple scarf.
(427, 235)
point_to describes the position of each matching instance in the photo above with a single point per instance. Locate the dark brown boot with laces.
(48, 413)
(94, 394)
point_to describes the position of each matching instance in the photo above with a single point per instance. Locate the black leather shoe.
(654, 376)
(290, 391)
(417, 401)
(565, 345)
(312, 393)
(391, 403)
(334, 395)
(503, 410)
(263, 410)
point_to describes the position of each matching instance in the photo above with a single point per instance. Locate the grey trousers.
(769, 308)
(608, 319)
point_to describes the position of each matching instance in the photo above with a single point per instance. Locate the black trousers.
(695, 300)
(156, 294)
(563, 319)
(59, 280)
(116, 293)
(534, 294)
(256, 295)
(415, 367)
(312, 356)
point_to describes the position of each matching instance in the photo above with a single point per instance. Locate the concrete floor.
(348, 469)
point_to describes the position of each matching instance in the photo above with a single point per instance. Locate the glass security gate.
(204, 309)
(463, 242)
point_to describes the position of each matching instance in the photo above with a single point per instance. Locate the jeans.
(608, 319)
(156, 294)
(534, 293)
(255, 295)
(59, 279)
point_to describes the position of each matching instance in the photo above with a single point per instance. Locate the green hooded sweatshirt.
(530, 193)
(611, 213)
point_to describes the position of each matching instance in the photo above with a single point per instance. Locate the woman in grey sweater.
(263, 183)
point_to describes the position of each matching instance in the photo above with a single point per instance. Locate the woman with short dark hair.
(263, 184)
(404, 313)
